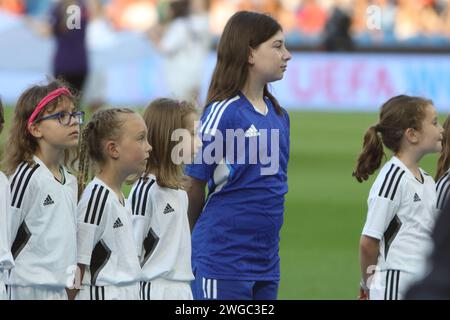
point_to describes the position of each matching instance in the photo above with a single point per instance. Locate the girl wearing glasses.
(43, 139)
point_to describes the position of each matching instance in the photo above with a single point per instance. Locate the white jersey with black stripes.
(161, 230)
(105, 239)
(442, 190)
(401, 213)
(42, 224)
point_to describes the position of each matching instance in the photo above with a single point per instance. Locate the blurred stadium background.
(348, 57)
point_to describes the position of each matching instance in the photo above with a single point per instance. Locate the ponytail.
(396, 115)
(370, 158)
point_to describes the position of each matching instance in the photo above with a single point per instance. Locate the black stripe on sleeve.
(145, 199)
(442, 194)
(102, 208)
(21, 186)
(441, 180)
(21, 167)
(91, 199)
(25, 185)
(385, 180)
(133, 198)
(396, 185)
(391, 182)
(94, 211)
(139, 199)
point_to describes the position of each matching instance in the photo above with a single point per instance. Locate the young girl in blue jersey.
(115, 141)
(43, 139)
(396, 238)
(6, 260)
(245, 133)
(159, 202)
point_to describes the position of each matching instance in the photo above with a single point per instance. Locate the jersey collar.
(408, 172)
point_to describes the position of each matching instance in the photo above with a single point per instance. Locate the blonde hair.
(21, 145)
(104, 125)
(162, 117)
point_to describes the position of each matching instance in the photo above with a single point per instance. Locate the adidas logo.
(416, 197)
(168, 209)
(48, 201)
(117, 224)
(252, 132)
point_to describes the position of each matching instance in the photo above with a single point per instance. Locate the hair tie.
(377, 128)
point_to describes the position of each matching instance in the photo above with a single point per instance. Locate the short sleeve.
(25, 191)
(380, 213)
(217, 118)
(141, 207)
(91, 222)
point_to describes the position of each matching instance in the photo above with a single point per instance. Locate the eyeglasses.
(65, 117)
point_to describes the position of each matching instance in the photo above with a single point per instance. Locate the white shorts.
(391, 284)
(37, 293)
(3, 293)
(161, 289)
(128, 292)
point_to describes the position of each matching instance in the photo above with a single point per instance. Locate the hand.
(363, 295)
(72, 293)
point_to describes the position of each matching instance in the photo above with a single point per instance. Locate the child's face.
(133, 147)
(430, 135)
(191, 142)
(55, 134)
(269, 61)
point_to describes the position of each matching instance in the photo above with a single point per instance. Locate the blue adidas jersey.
(244, 159)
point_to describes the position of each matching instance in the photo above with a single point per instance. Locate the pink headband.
(47, 99)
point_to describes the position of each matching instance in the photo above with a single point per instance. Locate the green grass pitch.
(325, 206)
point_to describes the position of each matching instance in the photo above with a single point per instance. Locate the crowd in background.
(402, 22)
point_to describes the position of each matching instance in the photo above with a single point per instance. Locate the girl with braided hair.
(116, 142)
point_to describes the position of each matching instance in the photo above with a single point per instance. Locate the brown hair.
(396, 115)
(2, 117)
(244, 31)
(104, 125)
(162, 117)
(21, 145)
(444, 159)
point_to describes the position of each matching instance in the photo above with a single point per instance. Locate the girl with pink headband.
(43, 139)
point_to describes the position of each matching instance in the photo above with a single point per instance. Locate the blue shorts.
(216, 289)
